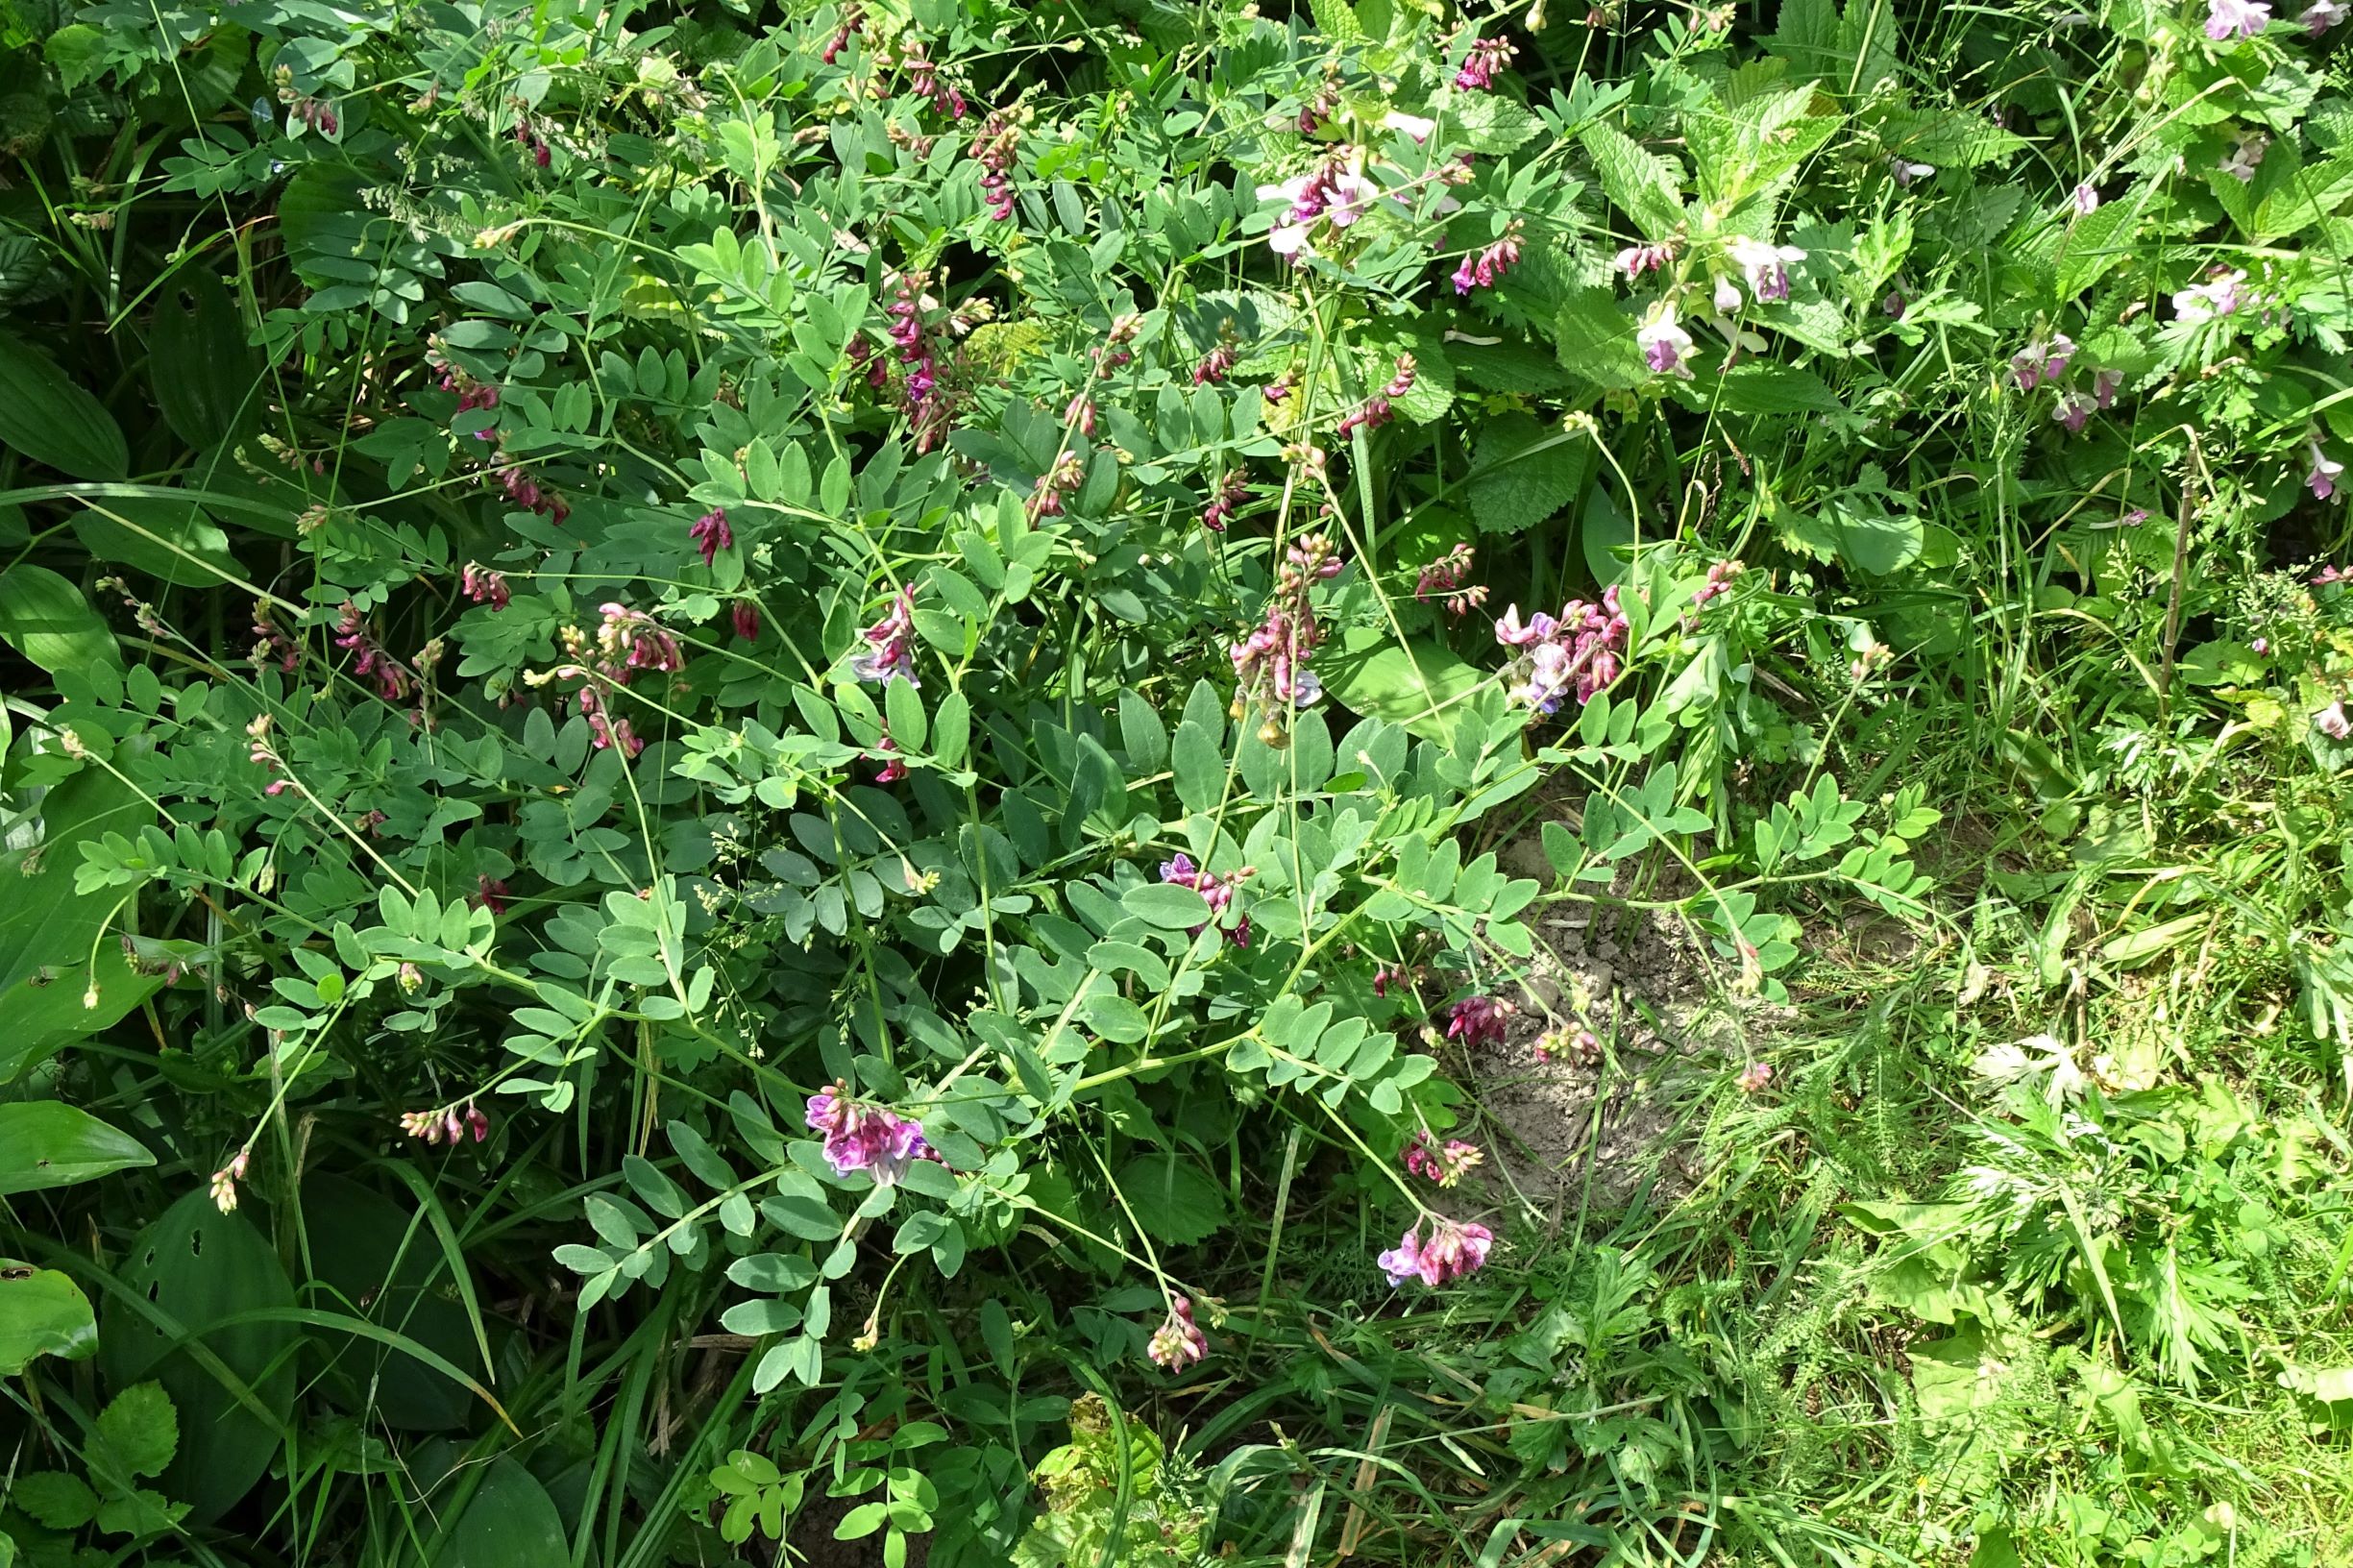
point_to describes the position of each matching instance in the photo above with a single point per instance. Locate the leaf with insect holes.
(48, 1143)
(43, 1312)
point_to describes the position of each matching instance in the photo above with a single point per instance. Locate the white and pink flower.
(2230, 19)
(1665, 345)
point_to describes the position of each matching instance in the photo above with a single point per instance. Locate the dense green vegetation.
(1102, 782)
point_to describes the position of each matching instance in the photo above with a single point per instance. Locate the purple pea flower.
(711, 534)
(891, 644)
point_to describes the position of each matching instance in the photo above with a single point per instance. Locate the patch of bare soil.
(1563, 1116)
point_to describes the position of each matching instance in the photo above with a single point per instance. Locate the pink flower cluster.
(485, 586)
(262, 754)
(1319, 111)
(352, 633)
(1636, 260)
(433, 1126)
(1444, 1164)
(893, 765)
(1581, 651)
(606, 733)
(527, 492)
(2073, 409)
(2044, 359)
(627, 642)
(1720, 575)
(470, 393)
(1215, 365)
(271, 645)
(868, 1137)
(853, 23)
(1218, 892)
(1113, 351)
(1486, 57)
(1179, 1342)
(1450, 1252)
(1580, 1045)
(1483, 268)
(924, 80)
(1754, 1078)
(861, 354)
(2045, 363)
(1045, 499)
(1232, 492)
(994, 146)
(225, 1179)
(1270, 665)
(1376, 411)
(890, 644)
(711, 534)
(631, 640)
(315, 113)
(1441, 581)
(928, 405)
(1477, 1020)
